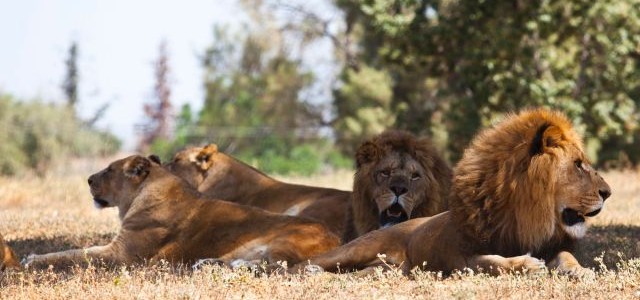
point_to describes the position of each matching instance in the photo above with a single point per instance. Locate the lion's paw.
(530, 265)
(577, 272)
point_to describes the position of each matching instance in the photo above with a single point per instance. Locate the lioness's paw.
(207, 262)
(34, 261)
(312, 270)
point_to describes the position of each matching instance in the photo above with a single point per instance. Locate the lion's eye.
(578, 163)
(415, 176)
(385, 173)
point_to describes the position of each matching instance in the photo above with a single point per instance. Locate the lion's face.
(400, 186)
(399, 177)
(193, 163)
(116, 184)
(580, 192)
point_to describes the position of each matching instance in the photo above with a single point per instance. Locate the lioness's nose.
(90, 181)
(604, 193)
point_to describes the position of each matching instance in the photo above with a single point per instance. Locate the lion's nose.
(398, 190)
(604, 193)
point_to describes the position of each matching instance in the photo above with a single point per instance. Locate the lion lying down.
(221, 176)
(163, 218)
(522, 192)
(399, 176)
(7, 257)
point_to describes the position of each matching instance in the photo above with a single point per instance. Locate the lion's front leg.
(496, 264)
(106, 254)
(565, 263)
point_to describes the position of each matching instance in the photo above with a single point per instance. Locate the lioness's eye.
(415, 176)
(385, 173)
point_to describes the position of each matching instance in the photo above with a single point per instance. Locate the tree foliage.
(455, 66)
(253, 103)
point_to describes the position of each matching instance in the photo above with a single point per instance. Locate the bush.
(37, 135)
(304, 159)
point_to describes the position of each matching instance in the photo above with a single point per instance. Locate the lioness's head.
(398, 177)
(117, 184)
(525, 181)
(192, 164)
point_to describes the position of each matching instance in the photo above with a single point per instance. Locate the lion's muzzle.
(392, 215)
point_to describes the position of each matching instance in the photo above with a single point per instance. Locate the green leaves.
(491, 57)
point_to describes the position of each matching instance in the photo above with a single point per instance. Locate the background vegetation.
(42, 215)
(440, 68)
(37, 136)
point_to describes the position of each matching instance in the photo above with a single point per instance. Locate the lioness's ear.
(366, 153)
(547, 136)
(138, 167)
(203, 159)
(154, 158)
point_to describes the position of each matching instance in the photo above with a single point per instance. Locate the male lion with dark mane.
(219, 175)
(521, 196)
(163, 217)
(398, 177)
(7, 257)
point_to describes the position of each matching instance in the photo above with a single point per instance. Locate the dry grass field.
(39, 215)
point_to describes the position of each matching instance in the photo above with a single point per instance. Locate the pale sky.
(118, 42)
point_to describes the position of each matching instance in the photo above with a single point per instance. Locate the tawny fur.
(164, 218)
(392, 147)
(8, 258)
(508, 195)
(219, 175)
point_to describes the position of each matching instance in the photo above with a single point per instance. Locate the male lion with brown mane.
(163, 217)
(219, 175)
(7, 257)
(522, 192)
(398, 177)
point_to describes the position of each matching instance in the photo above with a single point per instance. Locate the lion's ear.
(154, 158)
(547, 136)
(203, 159)
(366, 153)
(138, 167)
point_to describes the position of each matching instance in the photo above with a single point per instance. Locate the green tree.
(458, 65)
(253, 105)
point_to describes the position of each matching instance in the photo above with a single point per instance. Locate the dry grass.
(39, 215)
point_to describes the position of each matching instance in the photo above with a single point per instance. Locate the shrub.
(37, 135)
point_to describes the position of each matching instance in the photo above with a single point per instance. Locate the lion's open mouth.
(394, 214)
(100, 203)
(594, 213)
(571, 217)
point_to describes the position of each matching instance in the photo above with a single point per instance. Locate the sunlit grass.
(39, 215)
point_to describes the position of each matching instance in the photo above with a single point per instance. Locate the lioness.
(523, 186)
(164, 218)
(219, 175)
